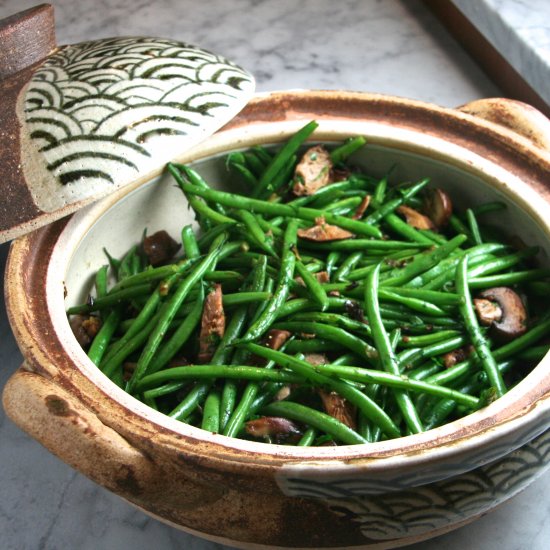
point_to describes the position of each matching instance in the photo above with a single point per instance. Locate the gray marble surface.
(520, 32)
(390, 47)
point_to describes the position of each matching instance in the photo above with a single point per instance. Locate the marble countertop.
(393, 47)
(520, 31)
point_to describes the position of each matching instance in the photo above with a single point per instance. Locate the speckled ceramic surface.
(249, 494)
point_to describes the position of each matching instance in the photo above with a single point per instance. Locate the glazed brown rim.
(44, 350)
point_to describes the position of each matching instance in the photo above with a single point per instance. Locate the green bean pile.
(378, 327)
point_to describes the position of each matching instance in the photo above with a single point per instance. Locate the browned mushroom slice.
(321, 276)
(159, 247)
(271, 426)
(438, 206)
(323, 232)
(414, 218)
(338, 407)
(313, 171)
(212, 324)
(128, 368)
(451, 358)
(364, 204)
(316, 359)
(275, 338)
(85, 328)
(487, 311)
(513, 321)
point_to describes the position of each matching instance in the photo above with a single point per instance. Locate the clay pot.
(251, 494)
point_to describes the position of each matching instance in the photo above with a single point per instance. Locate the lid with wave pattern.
(95, 116)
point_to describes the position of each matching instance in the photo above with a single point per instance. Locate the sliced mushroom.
(438, 206)
(414, 218)
(85, 328)
(313, 171)
(275, 338)
(212, 324)
(316, 359)
(271, 426)
(159, 247)
(323, 232)
(338, 407)
(487, 311)
(455, 356)
(128, 368)
(363, 205)
(513, 319)
(321, 276)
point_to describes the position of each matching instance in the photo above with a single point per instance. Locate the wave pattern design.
(105, 110)
(419, 510)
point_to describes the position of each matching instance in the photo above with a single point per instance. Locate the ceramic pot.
(253, 495)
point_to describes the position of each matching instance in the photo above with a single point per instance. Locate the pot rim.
(525, 405)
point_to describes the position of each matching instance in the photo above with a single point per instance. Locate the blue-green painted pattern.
(402, 511)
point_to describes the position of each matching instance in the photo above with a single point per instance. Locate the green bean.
(280, 160)
(315, 419)
(388, 207)
(307, 438)
(425, 261)
(386, 354)
(347, 148)
(499, 264)
(405, 230)
(101, 281)
(480, 343)
(488, 207)
(369, 376)
(125, 268)
(189, 242)
(111, 362)
(111, 299)
(316, 290)
(165, 389)
(434, 296)
(427, 339)
(415, 304)
(359, 244)
(211, 413)
(254, 163)
(255, 232)
(210, 371)
(347, 265)
(168, 351)
(174, 304)
(288, 262)
(153, 275)
(474, 228)
(352, 394)
(507, 279)
(335, 334)
(104, 335)
(263, 207)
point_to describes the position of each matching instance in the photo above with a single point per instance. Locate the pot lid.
(81, 121)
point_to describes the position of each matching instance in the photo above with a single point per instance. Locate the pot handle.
(515, 115)
(27, 38)
(58, 421)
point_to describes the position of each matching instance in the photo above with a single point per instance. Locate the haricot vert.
(318, 304)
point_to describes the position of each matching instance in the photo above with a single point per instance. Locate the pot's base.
(387, 545)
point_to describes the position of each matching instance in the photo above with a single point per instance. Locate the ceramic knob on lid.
(84, 120)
